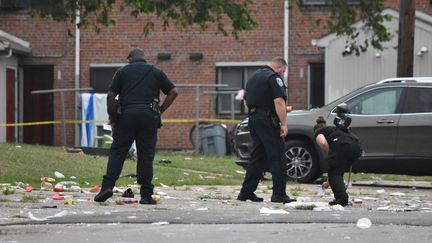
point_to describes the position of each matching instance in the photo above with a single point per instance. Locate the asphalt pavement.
(212, 214)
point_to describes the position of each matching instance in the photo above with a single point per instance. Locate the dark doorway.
(316, 84)
(10, 104)
(38, 107)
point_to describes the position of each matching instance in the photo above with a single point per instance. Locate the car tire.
(302, 161)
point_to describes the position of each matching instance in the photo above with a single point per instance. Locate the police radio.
(342, 120)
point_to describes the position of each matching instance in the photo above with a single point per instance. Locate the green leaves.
(344, 15)
(180, 13)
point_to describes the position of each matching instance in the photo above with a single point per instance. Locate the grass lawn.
(27, 163)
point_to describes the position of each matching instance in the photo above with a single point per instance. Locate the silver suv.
(392, 118)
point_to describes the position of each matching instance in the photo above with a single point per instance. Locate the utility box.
(213, 139)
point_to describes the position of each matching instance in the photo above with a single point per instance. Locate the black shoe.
(252, 197)
(147, 200)
(103, 195)
(128, 193)
(341, 202)
(281, 199)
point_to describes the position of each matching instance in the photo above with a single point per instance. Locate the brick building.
(188, 58)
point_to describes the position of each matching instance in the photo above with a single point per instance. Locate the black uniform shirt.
(330, 133)
(139, 82)
(263, 87)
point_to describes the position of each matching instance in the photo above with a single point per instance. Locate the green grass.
(29, 163)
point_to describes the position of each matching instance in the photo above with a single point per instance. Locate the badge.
(280, 82)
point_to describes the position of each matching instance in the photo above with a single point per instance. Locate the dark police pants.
(139, 124)
(268, 147)
(341, 157)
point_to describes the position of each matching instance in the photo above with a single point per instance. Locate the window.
(378, 101)
(100, 77)
(418, 100)
(324, 2)
(235, 76)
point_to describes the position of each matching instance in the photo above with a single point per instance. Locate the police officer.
(343, 150)
(138, 85)
(265, 98)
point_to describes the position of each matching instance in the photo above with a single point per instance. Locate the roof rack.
(406, 80)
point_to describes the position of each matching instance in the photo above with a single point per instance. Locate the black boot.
(252, 197)
(103, 195)
(147, 200)
(281, 199)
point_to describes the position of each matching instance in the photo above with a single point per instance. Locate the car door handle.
(388, 121)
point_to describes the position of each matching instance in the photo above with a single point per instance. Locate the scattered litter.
(163, 185)
(46, 186)
(185, 173)
(58, 174)
(380, 191)
(202, 209)
(165, 161)
(116, 189)
(397, 194)
(57, 196)
(240, 172)
(321, 209)
(337, 207)
(128, 193)
(370, 198)
(161, 193)
(88, 212)
(73, 177)
(364, 223)
(155, 197)
(69, 186)
(160, 223)
(320, 192)
(128, 200)
(95, 189)
(57, 215)
(188, 158)
(132, 217)
(28, 188)
(69, 201)
(265, 210)
(357, 201)
(304, 199)
(18, 146)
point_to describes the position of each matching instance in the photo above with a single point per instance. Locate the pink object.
(57, 196)
(240, 94)
(28, 189)
(58, 189)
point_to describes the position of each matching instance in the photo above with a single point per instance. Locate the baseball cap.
(136, 53)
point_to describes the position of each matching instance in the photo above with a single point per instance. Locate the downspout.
(7, 55)
(286, 46)
(77, 72)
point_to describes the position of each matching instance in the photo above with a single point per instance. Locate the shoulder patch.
(280, 82)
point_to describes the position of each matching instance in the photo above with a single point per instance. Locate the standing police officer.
(138, 85)
(265, 98)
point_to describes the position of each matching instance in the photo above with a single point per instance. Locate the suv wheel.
(302, 162)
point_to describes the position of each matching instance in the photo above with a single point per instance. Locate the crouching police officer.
(343, 150)
(265, 98)
(138, 85)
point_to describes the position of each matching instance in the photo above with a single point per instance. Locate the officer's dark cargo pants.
(139, 124)
(341, 156)
(268, 150)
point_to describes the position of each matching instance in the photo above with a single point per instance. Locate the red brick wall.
(51, 45)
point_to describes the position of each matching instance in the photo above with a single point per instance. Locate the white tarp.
(93, 107)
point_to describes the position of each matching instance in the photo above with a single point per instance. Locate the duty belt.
(256, 110)
(138, 105)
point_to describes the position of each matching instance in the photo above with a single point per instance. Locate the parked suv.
(392, 118)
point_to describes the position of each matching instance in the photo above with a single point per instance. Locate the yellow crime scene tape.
(106, 122)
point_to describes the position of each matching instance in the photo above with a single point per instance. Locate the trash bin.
(213, 139)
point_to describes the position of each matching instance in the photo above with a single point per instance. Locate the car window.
(378, 101)
(418, 100)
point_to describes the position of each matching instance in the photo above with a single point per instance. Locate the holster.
(114, 111)
(154, 106)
